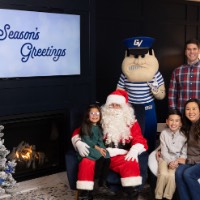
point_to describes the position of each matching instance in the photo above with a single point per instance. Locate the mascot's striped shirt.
(139, 92)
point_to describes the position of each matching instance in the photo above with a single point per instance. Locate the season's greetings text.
(28, 50)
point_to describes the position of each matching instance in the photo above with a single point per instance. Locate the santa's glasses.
(95, 113)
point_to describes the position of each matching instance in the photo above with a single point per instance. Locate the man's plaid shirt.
(184, 85)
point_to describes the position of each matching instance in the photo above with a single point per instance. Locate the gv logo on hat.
(137, 42)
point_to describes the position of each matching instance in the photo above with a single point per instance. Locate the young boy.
(173, 150)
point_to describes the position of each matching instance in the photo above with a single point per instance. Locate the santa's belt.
(119, 146)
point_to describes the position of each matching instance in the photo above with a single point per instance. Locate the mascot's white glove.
(82, 148)
(116, 151)
(157, 91)
(161, 93)
(154, 86)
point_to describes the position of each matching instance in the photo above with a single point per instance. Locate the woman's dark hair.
(86, 123)
(187, 123)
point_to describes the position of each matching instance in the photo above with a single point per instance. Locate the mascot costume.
(142, 80)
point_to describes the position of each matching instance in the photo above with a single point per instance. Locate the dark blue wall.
(104, 26)
(170, 22)
(42, 94)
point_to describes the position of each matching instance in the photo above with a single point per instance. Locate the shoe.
(133, 195)
(104, 189)
(85, 195)
(131, 192)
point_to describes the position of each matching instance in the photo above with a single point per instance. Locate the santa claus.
(123, 139)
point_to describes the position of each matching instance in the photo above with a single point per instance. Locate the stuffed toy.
(144, 83)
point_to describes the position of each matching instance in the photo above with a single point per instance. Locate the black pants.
(102, 169)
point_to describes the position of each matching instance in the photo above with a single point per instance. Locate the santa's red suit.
(123, 143)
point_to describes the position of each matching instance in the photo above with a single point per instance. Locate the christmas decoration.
(7, 168)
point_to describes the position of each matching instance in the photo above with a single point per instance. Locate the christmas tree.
(7, 168)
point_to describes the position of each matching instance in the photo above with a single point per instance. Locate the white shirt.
(173, 145)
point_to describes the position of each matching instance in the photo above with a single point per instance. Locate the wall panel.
(36, 94)
(170, 22)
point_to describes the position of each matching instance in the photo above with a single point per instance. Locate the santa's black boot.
(132, 194)
(103, 188)
(85, 195)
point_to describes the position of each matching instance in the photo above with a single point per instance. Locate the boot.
(102, 188)
(131, 193)
(85, 195)
(133, 196)
(105, 190)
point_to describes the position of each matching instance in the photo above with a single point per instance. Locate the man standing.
(185, 80)
(123, 139)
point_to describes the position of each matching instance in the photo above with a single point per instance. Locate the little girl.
(91, 133)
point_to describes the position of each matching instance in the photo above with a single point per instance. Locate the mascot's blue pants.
(146, 116)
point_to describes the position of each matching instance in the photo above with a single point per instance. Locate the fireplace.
(36, 141)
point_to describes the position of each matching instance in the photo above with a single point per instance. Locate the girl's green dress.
(96, 138)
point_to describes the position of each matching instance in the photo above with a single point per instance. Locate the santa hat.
(118, 97)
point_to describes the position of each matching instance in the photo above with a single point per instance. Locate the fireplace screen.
(36, 143)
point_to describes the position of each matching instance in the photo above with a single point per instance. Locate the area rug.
(56, 187)
(52, 187)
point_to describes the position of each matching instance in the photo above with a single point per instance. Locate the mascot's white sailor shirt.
(139, 92)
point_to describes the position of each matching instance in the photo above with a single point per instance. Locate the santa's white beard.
(116, 124)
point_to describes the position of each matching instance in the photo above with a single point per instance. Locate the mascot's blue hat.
(139, 42)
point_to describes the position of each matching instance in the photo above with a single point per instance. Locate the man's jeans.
(187, 181)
